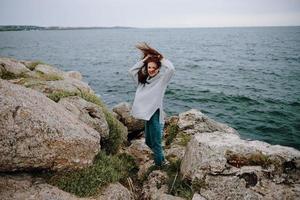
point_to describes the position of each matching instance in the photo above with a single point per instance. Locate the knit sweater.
(149, 97)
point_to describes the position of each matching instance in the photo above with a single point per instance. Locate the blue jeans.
(153, 135)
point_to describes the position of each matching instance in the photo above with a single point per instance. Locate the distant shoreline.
(41, 28)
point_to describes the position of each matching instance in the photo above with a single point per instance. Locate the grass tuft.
(57, 95)
(253, 159)
(87, 182)
(8, 75)
(172, 131)
(49, 77)
(32, 65)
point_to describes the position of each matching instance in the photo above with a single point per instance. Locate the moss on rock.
(87, 182)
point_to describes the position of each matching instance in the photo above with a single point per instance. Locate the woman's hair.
(155, 57)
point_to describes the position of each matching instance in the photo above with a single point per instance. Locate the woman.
(152, 75)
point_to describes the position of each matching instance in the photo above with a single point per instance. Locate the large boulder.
(68, 85)
(42, 77)
(87, 112)
(179, 130)
(73, 74)
(193, 121)
(37, 133)
(225, 166)
(25, 187)
(142, 155)
(115, 191)
(12, 68)
(48, 70)
(133, 125)
(156, 187)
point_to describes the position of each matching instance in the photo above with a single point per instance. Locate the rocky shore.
(58, 140)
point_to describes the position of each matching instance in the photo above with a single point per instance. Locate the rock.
(115, 191)
(134, 126)
(87, 112)
(42, 77)
(25, 187)
(175, 151)
(156, 187)
(48, 70)
(73, 74)
(198, 197)
(193, 121)
(37, 133)
(65, 85)
(187, 124)
(15, 68)
(219, 162)
(230, 187)
(142, 155)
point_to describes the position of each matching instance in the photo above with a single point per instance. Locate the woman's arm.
(133, 71)
(170, 70)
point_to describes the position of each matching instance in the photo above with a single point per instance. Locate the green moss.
(184, 139)
(8, 75)
(178, 186)
(48, 77)
(116, 134)
(87, 182)
(253, 159)
(57, 95)
(33, 64)
(117, 130)
(198, 184)
(172, 131)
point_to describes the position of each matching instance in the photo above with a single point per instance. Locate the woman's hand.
(148, 56)
(151, 56)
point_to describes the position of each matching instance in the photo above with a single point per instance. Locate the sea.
(246, 77)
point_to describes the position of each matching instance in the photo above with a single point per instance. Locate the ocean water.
(248, 78)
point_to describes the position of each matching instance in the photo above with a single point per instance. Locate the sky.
(151, 13)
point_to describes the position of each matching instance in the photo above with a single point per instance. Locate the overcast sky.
(151, 13)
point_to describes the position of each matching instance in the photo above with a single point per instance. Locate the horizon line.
(235, 26)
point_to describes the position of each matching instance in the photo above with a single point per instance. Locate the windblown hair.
(155, 57)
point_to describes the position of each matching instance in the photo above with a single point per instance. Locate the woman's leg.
(156, 136)
(147, 135)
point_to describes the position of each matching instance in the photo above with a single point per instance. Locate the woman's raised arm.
(133, 71)
(170, 70)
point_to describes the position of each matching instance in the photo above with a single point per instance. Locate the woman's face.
(152, 69)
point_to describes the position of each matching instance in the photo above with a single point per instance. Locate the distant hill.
(28, 28)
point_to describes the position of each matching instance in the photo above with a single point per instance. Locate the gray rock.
(48, 70)
(175, 151)
(123, 115)
(193, 121)
(37, 133)
(65, 85)
(13, 66)
(87, 112)
(155, 188)
(115, 191)
(198, 197)
(73, 74)
(231, 187)
(226, 166)
(25, 187)
(210, 151)
(142, 155)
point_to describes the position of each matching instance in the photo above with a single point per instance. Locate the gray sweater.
(149, 97)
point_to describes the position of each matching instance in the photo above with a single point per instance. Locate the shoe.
(165, 164)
